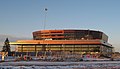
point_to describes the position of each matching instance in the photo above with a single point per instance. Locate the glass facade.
(79, 49)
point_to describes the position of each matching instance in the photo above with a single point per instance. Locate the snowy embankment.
(60, 65)
(38, 63)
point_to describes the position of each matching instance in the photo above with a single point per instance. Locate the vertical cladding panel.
(49, 34)
(57, 34)
(80, 34)
(96, 34)
(104, 37)
(69, 34)
(56, 31)
(36, 35)
(45, 34)
(69, 31)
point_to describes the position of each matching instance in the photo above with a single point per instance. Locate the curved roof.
(67, 30)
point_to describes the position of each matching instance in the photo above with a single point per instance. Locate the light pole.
(45, 17)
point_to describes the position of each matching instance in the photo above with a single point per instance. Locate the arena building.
(67, 41)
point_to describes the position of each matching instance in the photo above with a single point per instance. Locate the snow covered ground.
(60, 65)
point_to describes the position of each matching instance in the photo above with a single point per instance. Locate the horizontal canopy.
(19, 42)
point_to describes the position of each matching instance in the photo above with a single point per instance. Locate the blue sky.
(22, 17)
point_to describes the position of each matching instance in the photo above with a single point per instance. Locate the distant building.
(67, 41)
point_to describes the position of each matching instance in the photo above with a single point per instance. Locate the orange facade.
(69, 35)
